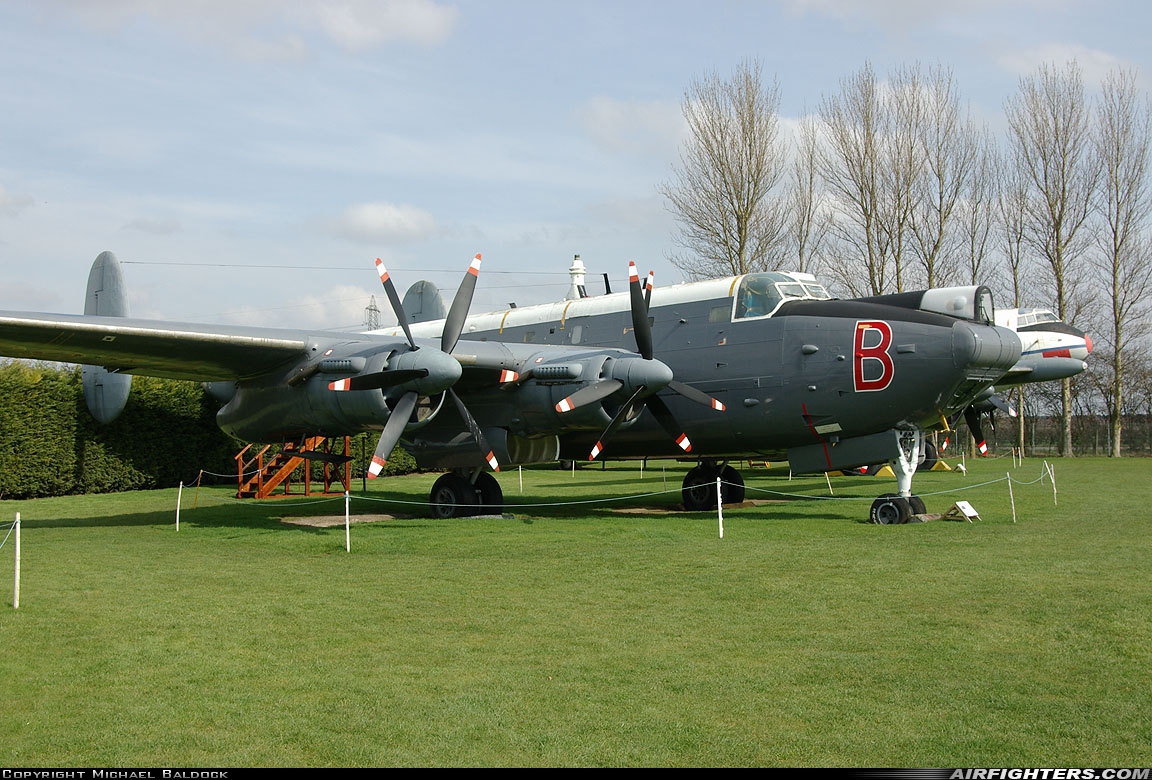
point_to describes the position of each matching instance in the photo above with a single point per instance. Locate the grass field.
(615, 633)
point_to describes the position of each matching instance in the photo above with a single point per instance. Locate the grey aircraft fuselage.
(811, 372)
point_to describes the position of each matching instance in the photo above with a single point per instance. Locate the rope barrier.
(7, 536)
(626, 498)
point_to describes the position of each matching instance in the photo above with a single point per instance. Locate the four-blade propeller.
(420, 371)
(644, 377)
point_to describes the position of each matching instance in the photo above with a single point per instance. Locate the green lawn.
(615, 633)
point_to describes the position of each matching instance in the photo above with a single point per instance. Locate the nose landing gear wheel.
(890, 509)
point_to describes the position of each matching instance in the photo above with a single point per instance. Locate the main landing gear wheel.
(890, 509)
(452, 496)
(490, 495)
(917, 505)
(930, 457)
(699, 489)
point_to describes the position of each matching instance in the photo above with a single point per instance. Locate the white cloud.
(10, 204)
(1094, 64)
(385, 222)
(362, 24)
(651, 127)
(158, 227)
(276, 29)
(907, 14)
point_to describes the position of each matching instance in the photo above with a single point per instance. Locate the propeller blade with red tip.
(692, 394)
(589, 394)
(626, 411)
(393, 430)
(663, 416)
(454, 323)
(641, 328)
(378, 380)
(394, 299)
(972, 417)
(474, 429)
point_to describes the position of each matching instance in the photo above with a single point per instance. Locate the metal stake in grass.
(347, 525)
(1011, 500)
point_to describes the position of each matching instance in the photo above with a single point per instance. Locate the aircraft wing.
(149, 347)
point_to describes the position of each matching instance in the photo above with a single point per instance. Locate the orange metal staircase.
(257, 478)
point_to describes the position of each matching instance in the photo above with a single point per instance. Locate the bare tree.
(808, 216)
(1051, 145)
(850, 168)
(948, 188)
(904, 118)
(1124, 130)
(977, 209)
(722, 194)
(1011, 211)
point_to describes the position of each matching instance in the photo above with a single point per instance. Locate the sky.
(247, 160)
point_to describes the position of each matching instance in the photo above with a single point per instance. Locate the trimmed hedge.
(51, 446)
(167, 433)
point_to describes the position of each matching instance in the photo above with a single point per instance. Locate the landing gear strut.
(699, 489)
(456, 495)
(898, 508)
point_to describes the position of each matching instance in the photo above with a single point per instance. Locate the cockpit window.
(759, 295)
(985, 309)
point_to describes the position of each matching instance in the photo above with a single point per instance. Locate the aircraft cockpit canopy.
(1035, 317)
(760, 294)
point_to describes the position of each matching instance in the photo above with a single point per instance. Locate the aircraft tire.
(491, 497)
(890, 509)
(732, 485)
(930, 457)
(699, 489)
(917, 505)
(452, 496)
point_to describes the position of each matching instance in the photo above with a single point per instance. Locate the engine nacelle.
(535, 401)
(280, 412)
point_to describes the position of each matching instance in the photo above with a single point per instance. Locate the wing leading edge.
(152, 348)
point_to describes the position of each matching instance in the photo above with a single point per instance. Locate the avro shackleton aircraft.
(717, 371)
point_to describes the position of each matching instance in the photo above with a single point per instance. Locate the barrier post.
(347, 525)
(179, 493)
(1011, 499)
(720, 507)
(16, 587)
